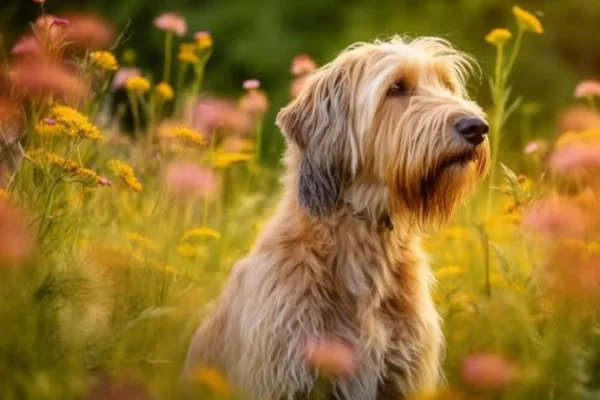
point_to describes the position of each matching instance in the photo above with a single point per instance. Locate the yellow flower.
(527, 20)
(104, 60)
(213, 379)
(224, 160)
(187, 250)
(125, 172)
(75, 124)
(47, 129)
(449, 271)
(88, 177)
(203, 40)
(201, 232)
(510, 206)
(139, 239)
(165, 91)
(186, 136)
(589, 136)
(137, 84)
(187, 53)
(498, 36)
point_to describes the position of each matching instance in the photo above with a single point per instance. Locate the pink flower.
(536, 147)
(123, 75)
(302, 64)
(90, 31)
(39, 1)
(212, 114)
(36, 78)
(488, 371)
(255, 102)
(587, 88)
(47, 27)
(15, 242)
(251, 84)
(187, 180)
(171, 22)
(332, 357)
(554, 217)
(576, 160)
(27, 46)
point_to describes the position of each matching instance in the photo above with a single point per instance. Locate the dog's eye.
(397, 89)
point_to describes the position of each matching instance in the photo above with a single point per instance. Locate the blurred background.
(257, 39)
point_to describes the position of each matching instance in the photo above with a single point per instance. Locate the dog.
(383, 142)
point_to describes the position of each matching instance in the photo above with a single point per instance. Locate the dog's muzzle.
(474, 129)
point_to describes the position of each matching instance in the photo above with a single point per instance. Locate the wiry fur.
(319, 271)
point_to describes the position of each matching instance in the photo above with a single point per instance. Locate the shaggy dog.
(382, 142)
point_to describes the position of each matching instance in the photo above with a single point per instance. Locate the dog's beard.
(435, 193)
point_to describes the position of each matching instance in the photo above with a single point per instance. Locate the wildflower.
(165, 91)
(235, 144)
(123, 75)
(213, 379)
(186, 179)
(255, 102)
(75, 124)
(203, 231)
(576, 161)
(449, 271)
(527, 20)
(187, 136)
(139, 239)
(488, 371)
(171, 22)
(125, 172)
(554, 217)
(586, 89)
(89, 31)
(15, 242)
(36, 78)
(39, 1)
(137, 85)
(536, 147)
(187, 53)
(302, 64)
(498, 36)
(589, 136)
(225, 160)
(49, 128)
(578, 118)
(203, 40)
(104, 60)
(331, 357)
(212, 114)
(251, 84)
(27, 46)
(188, 250)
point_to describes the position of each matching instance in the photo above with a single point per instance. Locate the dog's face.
(393, 112)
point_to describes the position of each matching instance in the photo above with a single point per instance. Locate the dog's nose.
(473, 129)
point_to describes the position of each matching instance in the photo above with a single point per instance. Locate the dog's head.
(396, 113)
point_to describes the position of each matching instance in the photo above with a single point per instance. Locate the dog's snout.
(473, 129)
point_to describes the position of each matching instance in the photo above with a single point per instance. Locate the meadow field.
(126, 196)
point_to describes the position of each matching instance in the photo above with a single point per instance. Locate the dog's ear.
(318, 121)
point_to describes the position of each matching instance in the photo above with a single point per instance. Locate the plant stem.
(168, 55)
(136, 114)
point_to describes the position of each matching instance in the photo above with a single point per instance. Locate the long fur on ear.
(318, 121)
